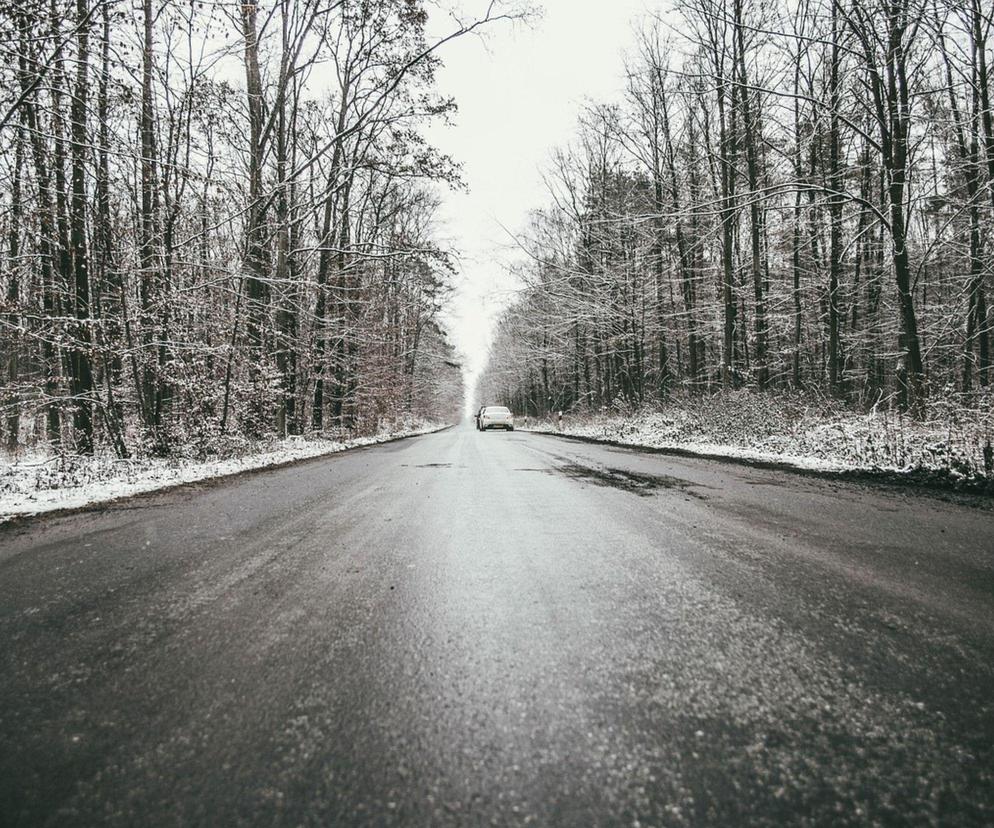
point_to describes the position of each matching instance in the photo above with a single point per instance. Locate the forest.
(217, 222)
(789, 197)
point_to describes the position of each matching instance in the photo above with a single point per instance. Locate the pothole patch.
(637, 483)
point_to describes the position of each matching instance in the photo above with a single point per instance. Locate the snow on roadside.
(650, 440)
(40, 483)
(955, 444)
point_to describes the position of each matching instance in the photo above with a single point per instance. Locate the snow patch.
(41, 482)
(813, 435)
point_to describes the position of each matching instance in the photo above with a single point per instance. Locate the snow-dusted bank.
(40, 483)
(950, 443)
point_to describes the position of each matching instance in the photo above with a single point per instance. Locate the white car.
(496, 416)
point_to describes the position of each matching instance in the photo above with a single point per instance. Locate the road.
(475, 629)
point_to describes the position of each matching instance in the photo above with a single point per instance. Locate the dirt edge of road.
(19, 521)
(973, 493)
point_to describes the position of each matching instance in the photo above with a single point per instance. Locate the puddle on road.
(637, 483)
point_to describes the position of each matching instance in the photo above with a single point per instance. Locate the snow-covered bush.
(952, 439)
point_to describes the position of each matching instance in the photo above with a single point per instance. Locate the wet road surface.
(474, 629)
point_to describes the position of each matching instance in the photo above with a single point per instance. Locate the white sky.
(519, 94)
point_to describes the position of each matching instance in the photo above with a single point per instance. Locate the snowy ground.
(950, 442)
(40, 482)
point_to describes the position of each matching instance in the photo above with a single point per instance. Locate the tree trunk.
(46, 233)
(727, 149)
(834, 209)
(256, 260)
(80, 371)
(13, 401)
(755, 212)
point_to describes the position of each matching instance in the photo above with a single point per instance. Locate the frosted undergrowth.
(951, 441)
(40, 481)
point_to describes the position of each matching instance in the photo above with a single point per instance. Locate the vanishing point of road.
(475, 629)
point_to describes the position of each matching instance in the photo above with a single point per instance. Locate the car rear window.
(498, 409)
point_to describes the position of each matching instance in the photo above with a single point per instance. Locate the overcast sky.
(519, 94)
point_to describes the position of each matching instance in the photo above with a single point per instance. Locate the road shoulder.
(975, 493)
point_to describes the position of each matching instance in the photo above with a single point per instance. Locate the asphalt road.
(472, 629)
